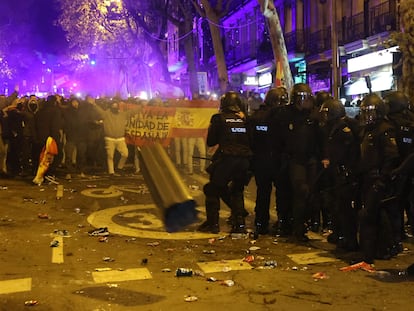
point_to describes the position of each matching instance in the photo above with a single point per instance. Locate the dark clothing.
(403, 122)
(48, 122)
(379, 156)
(342, 151)
(301, 139)
(75, 129)
(266, 167)
(228, 171)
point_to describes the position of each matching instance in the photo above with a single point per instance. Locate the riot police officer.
(340, 159)
(403, 121)
(231, 161)
(379, 156)
(266, 160)
(301, 141)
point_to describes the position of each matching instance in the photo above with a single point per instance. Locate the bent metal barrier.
(167, 189)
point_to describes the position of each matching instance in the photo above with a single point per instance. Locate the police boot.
(211, 225)
(238, 225)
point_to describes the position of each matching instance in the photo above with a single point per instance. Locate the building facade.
(362, 28)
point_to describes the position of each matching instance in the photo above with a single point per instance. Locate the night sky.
(31, 23)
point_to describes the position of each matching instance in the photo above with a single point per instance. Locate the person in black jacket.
(403, 120)
(340, 160)
(301, 139)
(48, 122)
(379, 156)
(267, 162)
(231, 161)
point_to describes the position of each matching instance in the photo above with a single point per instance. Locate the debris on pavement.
(54, 243)
(31, 303)
(360, 265)
(43, 216)
(227, 283)
(190, 298)
(153, 243)
(320, 276)
(183, 272)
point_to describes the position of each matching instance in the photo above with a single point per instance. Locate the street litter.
(153, 243)
(360, 265)
(228, 283)
(249, 258)
(166, 270)
(270, 264)
(31, 303)
(103, 269)
(320, 276)
(108, 259)
(254, 248)
(54, 243)
(43, 216)
(103, 239)
(99, 232)
(211, 251)
(190, 298)
(183, 272)
(61, 232)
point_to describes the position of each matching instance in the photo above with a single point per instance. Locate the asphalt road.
(134, 268)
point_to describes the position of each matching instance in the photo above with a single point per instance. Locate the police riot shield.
(167, 189)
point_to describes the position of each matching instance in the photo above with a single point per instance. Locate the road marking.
(224, 266)
(57, 252)
(119, 276)
(312, 258)
(15, 286)
(110, 192)
(141, 221)
(59, 192)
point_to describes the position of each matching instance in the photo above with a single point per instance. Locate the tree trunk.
(277, 39)
(189, 54)
(214, 20)
(406, 44)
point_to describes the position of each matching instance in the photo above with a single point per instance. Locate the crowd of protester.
(79, 127)
(344, 175)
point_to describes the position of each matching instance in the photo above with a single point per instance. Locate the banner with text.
(180, 118)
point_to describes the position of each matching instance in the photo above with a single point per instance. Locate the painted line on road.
(224, 266)
(312, 258)
(15, 286)
(140, 221)
(57, 251)
(121, 275)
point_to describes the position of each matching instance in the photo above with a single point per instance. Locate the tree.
(214, 13)
(405, 40)
(277, 39)
(103, 30)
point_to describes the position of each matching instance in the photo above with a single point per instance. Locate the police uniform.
(342, 150)
(301, 141)
(229, 169)
(379, 156)
(264, 164)
(403, 120)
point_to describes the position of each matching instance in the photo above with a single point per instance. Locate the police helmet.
(321, 97)
(277, 96)
(332, 109)
(372, 109)
(396, 101)
(301, 96)
(230, 102)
